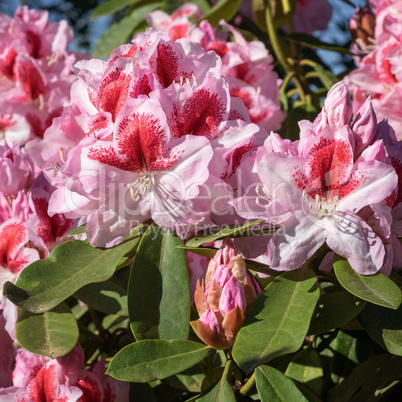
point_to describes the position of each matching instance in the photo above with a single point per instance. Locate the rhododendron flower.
(247, 66)
(379, 73)
(317, 190)
(38, 378)
(35, 68)
(147, 124)
(225, 297)
(7, 354)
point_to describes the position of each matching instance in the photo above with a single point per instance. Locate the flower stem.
(246, 388)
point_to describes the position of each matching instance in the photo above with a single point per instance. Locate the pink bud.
(337, 108)
(232, 296)
(338, 105)
(210, 318)
(364, 127)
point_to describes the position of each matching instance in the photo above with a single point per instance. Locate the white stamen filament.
(262, 195)
(41, 102)
(141, 186)
(323, 207)
(62, 155)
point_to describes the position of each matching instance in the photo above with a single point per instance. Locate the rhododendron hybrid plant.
(201, 210)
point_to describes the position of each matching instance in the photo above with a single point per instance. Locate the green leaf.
(325, 76)
(279, 319)
(219, 233)
(306, 368)
(272, 385)
(367, 379)
(315, 43)
(148, 360)
(107, 297)
(377, 288)
(77, 231)
(70, 266)
(52, 334)
(219, 392)
(158, 291)
(224, 9)
(203, 251)
(384, 326)
(119, 33)
(112, 6)
(333, 310)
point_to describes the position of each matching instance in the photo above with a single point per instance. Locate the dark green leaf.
(70, 266)
(367, 379)
(148, 360)
(377, 288)
(306, 368)
(220, 392)
(384, 326)
(112, 6)
(203, 251)
(315, 43)
(279, 319)
(52, 334)
(224, 9)
(158, 291)
(119, 33)
(219, 234)
(333, 310)
(106, 297)
(272, 385)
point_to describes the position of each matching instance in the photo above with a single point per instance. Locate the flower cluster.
(379, 73)
(247, 66)
(39, 378)
(150, 133)
(35, 69)
(224, 298)
(338, 185)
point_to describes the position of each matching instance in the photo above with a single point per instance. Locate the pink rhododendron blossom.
(379, 73)
(16, 168)
(147, 124)
(324, 192)
(311, 15)
(38, 378)
(35, 68)
(247, 66)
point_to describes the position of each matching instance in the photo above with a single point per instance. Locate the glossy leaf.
(70, 266)
(220, 392)
(158, 292)
(279, 319)
(148, 360)
(375, 373)
(384, 326)
(219, 234)
(52, 334)
(306, 368)
(107, 297)
(224, 9)
(377, 288)
(325, 76)
(119, 33)
(315, 43)
(272, 385)
(333, 310)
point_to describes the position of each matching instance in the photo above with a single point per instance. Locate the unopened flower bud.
(362, 25)
(225, 299)
(337, 108)
(364, 127)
